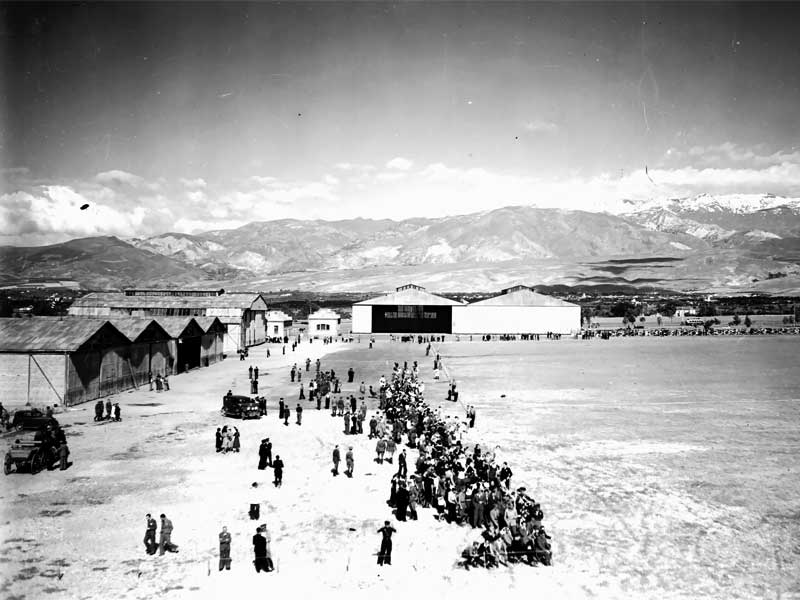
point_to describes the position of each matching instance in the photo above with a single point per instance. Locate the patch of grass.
(99, 568)
(147, 404)
(172, 587)
(53, 590)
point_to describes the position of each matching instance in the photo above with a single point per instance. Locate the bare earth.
(666, 467)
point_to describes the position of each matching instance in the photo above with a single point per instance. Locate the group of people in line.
(464, 486)
(98, 411)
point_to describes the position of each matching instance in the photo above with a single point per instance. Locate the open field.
(666, 467)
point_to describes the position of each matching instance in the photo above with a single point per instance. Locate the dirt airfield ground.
(666, 467)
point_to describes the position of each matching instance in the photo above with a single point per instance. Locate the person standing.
(63, 455)
(402, 465)
(108, 409)
(261, 550)
(262, 455)
(299, 411)
(166, 536)
(117, 412)
(347, 423)
(280, 409)
(350, 375)
(350, 462)
(150, 535)
(302, 393)
(250, 372)
(268, 452)
(337, 457)
(166, 382)
(385, 553)
(219, 440)
(236, 443)
(224, 550)
(293, 372)
(277, 466)
(255, 374)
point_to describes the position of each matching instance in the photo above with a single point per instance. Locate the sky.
(192, 117)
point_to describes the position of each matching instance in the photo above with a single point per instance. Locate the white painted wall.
(516, 319)
(315, 331)
(362, 318)
(232, 339)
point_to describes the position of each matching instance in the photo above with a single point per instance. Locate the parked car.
(240, 407)
(32, 419)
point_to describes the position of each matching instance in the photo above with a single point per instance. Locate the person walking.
(166, 544)
(117, 412)
(224, 550)
(336, 460)
(385, 553)
(277, 466)
(299, 411)
(150, 535)
(402, 465)
(350, 462)
(380, 449)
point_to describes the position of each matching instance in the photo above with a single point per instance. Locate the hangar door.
(413, 318)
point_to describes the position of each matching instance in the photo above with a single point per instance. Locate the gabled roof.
(410, 294)
(324, 313)
(133, 327)
(521, 296)
(210, 324)
(181, 326)
(53, 334)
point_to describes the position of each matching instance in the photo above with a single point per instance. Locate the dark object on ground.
(240, 407)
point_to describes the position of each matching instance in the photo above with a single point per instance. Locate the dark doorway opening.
(188, 353)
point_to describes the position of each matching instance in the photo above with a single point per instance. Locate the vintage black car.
(32, 419)
(240, 407)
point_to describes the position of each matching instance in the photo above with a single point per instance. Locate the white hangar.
(517, 310)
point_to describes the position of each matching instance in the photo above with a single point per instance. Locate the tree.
(641, 319)
(667, 308)
(659, 320)
(747, 321)
(736, 320)
(587, 312)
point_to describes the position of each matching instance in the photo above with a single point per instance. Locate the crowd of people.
(227, 439)
(464, 486)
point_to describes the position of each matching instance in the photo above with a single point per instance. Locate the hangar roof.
(54, 334)
(120, 300)
(410, 295)
(522, 296)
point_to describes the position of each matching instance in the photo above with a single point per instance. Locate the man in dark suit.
(385, 553)
(150, 535)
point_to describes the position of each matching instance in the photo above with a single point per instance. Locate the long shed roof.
(51, 334)
(119, 300)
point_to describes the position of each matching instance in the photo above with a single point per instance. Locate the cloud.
(539, 126)
(194, 184)
(117, 177)
(399, 163)
(729, 154)
(359, 167)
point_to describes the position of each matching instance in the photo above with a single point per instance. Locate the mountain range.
(725, 244)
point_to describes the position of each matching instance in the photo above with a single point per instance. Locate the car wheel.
(36, 463)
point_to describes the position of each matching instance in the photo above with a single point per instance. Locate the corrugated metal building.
(410, 309)
(517, 310)
(243, 314)
(72, 360)
(323, 323)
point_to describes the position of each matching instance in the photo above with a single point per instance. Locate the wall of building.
(232, 339)
(362, 318)
(516, 319)
(97, 374)
(14, 379)
(211, 349)
(317, 327)
(89, 311)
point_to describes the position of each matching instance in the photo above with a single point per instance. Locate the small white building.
(278, 324)
(323, 323)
